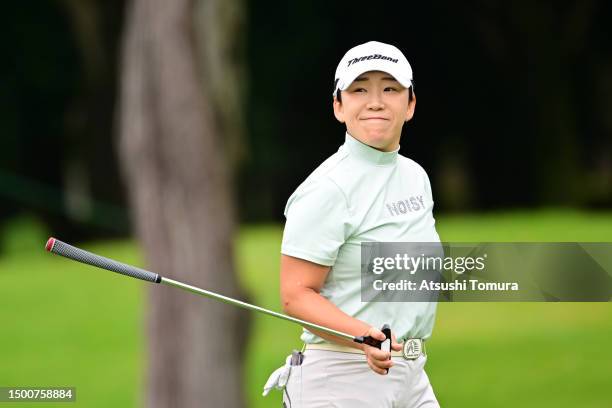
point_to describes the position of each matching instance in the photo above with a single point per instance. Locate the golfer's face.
(374, 109)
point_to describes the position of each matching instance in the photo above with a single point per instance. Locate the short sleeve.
(317, 217)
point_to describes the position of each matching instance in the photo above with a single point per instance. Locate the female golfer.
(364, 192)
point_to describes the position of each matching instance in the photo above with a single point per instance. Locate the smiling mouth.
(374, 118)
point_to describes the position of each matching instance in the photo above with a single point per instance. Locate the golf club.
(80, 255)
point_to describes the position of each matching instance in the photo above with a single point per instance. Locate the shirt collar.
(368, 153)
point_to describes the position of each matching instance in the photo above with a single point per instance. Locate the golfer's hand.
(378, 360)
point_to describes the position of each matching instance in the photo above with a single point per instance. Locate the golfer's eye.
(391, 89)
(359, 90)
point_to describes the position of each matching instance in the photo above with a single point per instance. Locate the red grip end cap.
(50, 243)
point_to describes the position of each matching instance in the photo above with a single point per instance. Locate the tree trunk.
(178, 181)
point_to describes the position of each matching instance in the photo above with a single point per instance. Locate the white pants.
(343, 380)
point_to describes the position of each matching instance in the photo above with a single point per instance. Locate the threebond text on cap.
(372, 56)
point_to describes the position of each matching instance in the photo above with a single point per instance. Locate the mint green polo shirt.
(361, 194)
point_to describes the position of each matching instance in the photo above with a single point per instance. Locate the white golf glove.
(278, 379)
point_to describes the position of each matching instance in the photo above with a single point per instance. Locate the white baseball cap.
(372, 56)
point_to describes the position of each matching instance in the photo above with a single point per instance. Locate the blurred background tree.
(176, 136)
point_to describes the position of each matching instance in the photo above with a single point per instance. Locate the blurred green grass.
(66, 324)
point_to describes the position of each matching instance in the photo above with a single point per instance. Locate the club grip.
(384, 345)
(371, 341)
(66, 250)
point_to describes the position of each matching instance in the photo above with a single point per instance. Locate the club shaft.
(244, 305)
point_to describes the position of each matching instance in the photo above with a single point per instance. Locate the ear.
(338, 110)
(411, 106)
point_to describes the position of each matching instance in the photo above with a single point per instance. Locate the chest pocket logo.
(411, 204)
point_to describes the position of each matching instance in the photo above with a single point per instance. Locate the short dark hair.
(410, 92)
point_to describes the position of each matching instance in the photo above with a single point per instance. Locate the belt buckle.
(413, 348)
